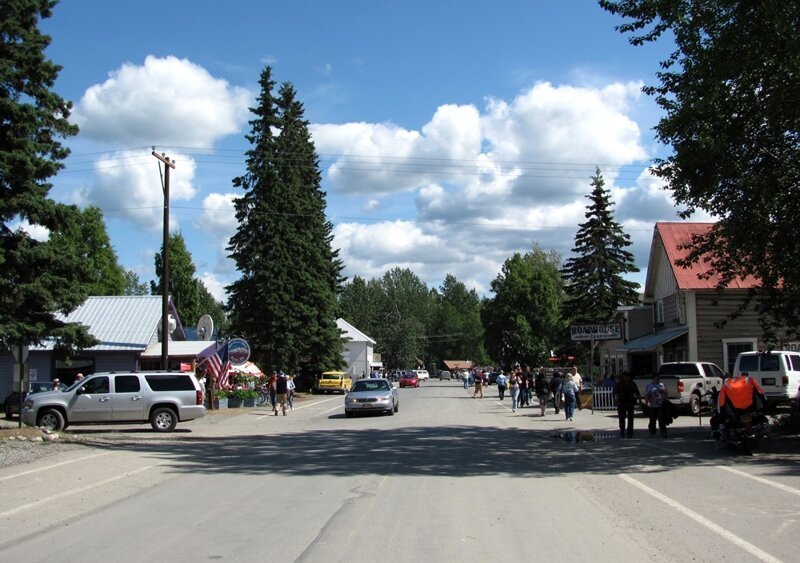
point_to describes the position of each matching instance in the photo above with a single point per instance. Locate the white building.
(359, 349)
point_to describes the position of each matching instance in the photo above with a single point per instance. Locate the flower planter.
(221, 403)
(234, 403)
(249, 403)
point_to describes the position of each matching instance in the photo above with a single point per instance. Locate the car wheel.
(9, 414)
(51, 419)
(694, 404)
(396, 407)
(163, 420)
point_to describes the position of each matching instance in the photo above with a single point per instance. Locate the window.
(770, 362)
(660, 311)
(170, 382)
(96, 385)
(794, 359)
(712, 371)
(748, 363)
(732, 348)
(126, 384)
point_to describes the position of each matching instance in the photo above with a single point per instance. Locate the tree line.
(731, 120)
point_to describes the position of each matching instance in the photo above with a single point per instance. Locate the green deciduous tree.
(456, 330)
(39, 278)
(729, 91)
(522, 322)
(595, 283)
(285, 300)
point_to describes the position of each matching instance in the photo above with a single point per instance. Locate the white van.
(777, 372)
(422, 374)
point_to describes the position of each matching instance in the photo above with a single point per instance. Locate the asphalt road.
(448, 478)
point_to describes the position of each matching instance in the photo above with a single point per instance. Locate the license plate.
(767, 381)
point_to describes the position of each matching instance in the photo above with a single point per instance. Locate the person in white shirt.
(576, 378)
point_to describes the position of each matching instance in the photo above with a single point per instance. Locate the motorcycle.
(742, 431)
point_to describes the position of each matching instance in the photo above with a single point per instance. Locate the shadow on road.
(455, 451)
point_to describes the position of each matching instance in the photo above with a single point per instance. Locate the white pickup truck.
(686, 382)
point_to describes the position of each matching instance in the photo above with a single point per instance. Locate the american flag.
(218, 366)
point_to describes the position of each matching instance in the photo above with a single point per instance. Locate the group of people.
(281, 392)
(522, 385)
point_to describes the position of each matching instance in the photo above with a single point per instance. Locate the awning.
(179, 348)
(653, 341)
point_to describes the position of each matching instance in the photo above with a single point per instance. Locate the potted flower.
(220, 399)
(242, 398)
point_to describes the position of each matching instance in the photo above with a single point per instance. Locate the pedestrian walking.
(576, 377)
(290, 387)
(542, 391)
(555, 389)
(626, 394)
(465, 377)
(655, 395)
(524, 392)
(281, 392)
(502, 382)
(272, 395)
(570, 391)
(513, 385)
(478, 386)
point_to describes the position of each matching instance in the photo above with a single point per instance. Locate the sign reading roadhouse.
(596, 332)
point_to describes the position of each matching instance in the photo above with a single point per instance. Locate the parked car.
(372, 395)
(161, 398)
(334, 382)
(409, 379)
(777, 372)
(686, 382)
(11, 403)
(444, 375)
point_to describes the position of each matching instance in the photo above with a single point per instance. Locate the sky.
(450, 134)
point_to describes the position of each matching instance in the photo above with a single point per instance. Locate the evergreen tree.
(191, 297)
(284, 303)
(88, 239)
(595, 286)
(39, 279)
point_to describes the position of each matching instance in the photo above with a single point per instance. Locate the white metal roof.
(179, 348)
(127, 322)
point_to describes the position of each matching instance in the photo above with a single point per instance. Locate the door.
(127, 401)
(92, 402)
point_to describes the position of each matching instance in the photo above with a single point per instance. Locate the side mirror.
(80, 390)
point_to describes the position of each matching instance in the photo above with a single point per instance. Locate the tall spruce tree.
(39, 278)
(284, 303)
(595, 286)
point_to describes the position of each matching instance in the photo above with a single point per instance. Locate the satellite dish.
(205, 327)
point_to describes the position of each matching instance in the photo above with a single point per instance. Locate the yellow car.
(334, 382)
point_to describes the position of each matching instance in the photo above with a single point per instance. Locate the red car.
(409, 379)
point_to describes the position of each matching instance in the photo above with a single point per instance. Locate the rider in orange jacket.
(740, 394)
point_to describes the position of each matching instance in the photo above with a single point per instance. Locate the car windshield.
(409, 375)
(365, 385)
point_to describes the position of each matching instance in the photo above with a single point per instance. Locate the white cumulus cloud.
(165, 101)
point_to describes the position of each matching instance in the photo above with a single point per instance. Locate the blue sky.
(450, 134)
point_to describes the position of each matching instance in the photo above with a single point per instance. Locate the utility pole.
(168, 164)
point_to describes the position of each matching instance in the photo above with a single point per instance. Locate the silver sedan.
(371, 395)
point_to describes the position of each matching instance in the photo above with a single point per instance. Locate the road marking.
(780, 486)
(72, 492)
(719, 530)
(336, 408)
(53, 466)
